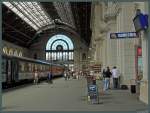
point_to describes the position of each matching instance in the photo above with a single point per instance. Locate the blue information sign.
(123, 35)
(92, 89)
(140, 22)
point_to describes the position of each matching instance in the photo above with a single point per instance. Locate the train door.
(9, 71)
(4, 71)
(15, 70)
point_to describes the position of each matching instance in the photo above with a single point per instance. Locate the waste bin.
(133, 89)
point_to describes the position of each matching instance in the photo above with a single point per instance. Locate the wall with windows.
(59, 48)
(79, 48)
(118, 17)
(12, 49)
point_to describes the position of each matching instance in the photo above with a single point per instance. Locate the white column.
(145, 58)
(111, 45)
(148, 35)
(126, 49)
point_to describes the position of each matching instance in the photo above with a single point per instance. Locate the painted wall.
(79, 48)
(118, 17)
(25, 51)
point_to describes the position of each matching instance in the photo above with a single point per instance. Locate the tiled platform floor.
(67, 96)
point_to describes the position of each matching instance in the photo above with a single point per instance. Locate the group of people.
(67, 74)
(36, 77)
(72, 74)
(111, 74)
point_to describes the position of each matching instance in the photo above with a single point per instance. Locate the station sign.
(92, 89)
(123, 35)
(140, 22)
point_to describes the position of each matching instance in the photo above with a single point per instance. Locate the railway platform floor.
(70, 95)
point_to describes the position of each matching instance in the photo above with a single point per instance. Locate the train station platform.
(67, 95)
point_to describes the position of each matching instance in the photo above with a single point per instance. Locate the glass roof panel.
(31, 12)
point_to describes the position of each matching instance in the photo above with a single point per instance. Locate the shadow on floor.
(9, 107)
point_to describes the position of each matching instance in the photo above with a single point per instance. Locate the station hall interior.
(79, 38)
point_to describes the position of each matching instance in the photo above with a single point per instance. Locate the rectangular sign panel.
(92, 89)
(123, 35)
(140, 22)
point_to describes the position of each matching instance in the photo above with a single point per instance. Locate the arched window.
(20, 54)
(59, 48)
(10, 51)
(5, 50)
(15, 53)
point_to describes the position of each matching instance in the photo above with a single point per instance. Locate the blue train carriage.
(20, 70)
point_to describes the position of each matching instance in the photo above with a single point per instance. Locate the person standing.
(104, 73)
(50, 78)
(115, 76)
(68, 74)
(36, 77)
(107, 76)
(65, 75)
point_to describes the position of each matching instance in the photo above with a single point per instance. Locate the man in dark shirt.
(107, 79)
(49, 77)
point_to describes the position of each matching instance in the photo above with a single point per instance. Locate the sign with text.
(123, 35)
(92, 89)
(140, 22)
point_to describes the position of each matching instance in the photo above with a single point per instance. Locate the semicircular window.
(59, 48)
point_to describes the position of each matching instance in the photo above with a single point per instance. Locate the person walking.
(107, 75)
(103, 73)
(50, 78)
(115, 76)
(65, 75)
(36, 77)
(103, 77)
(68, 74)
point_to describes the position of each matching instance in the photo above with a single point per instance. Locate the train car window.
(35, 67)
(4, 69)
(22, 66)
(45, 68)
(38, 67)
(30, 67)
(41, 67)
(26, 67)
(3, 66)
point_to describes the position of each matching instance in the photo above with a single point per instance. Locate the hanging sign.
(123, 35)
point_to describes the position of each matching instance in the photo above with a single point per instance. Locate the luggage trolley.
(93, 95)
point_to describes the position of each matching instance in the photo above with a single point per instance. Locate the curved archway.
(59, 48)
(60, 37)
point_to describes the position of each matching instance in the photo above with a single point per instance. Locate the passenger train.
(20, 70)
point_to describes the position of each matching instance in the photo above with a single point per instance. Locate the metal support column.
(148, 39)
